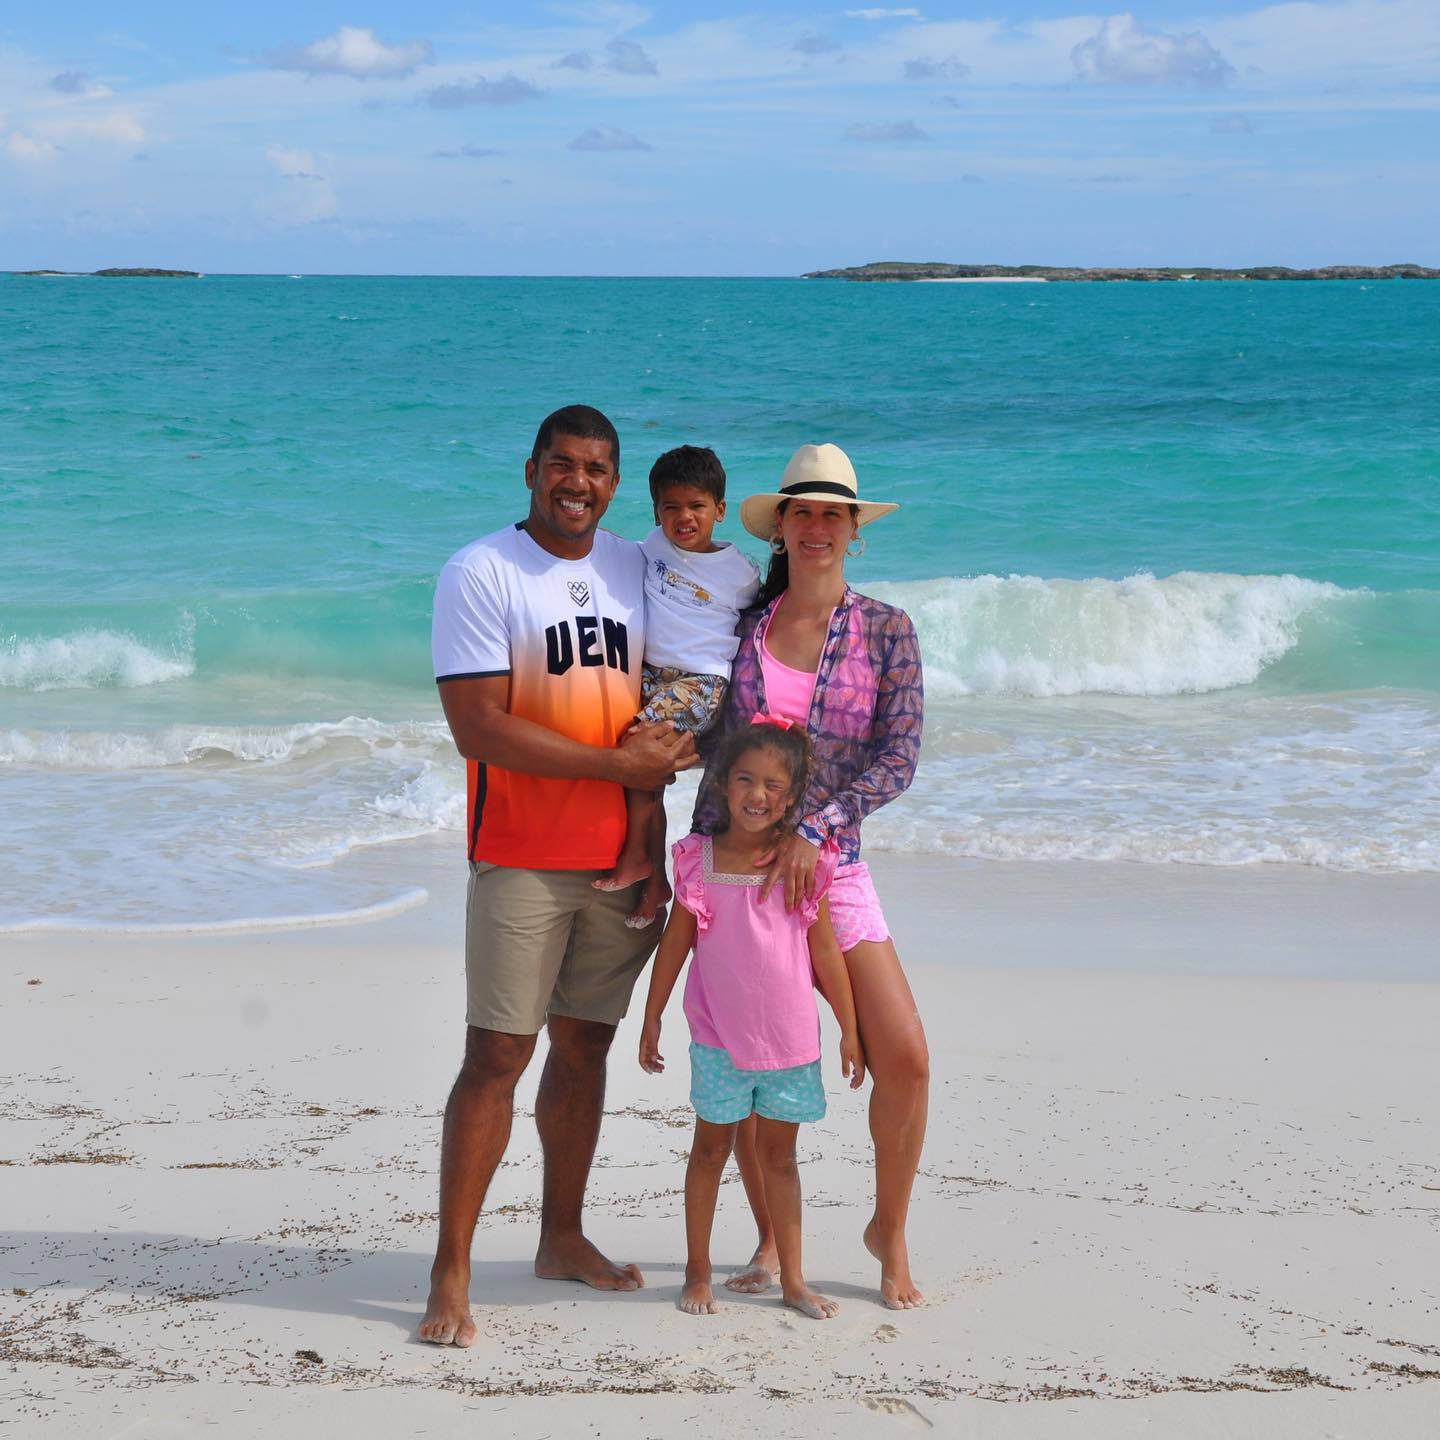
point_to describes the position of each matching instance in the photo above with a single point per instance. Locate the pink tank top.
(787, 691)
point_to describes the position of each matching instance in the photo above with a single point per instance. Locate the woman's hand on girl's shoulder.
(791, 863)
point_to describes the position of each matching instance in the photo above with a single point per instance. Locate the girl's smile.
(758, 791)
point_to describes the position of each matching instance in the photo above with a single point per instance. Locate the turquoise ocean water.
(1174, 554)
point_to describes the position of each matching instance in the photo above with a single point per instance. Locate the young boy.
(695, 589)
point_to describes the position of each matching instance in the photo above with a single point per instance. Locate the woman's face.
(816, 533)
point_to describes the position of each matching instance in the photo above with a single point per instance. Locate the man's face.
(571, 486)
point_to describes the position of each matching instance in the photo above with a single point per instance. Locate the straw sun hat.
(815, 472)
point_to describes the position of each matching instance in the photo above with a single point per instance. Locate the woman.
(848, 667)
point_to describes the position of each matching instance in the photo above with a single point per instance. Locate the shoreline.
(1184, 1199)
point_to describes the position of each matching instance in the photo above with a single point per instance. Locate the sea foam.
(89, 659)
(1189, 633)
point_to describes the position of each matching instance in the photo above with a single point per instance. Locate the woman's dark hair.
(696, 465)
(777, 576)
(792, 745)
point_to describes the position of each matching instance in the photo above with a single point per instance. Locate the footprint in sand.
(887, 1333)
(898, 1408)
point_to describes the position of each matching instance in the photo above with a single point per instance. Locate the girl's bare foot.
(656, 893)
(697, 1298)
(897, 1289)
(447, 1313)
(758, 1276)
(810, 1302)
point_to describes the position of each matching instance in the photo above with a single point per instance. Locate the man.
(538, 638)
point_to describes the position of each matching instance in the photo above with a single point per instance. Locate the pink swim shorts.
(855, 909)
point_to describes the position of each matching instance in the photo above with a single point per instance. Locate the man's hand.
(649, 755)
(652, 1062)
(791, 863)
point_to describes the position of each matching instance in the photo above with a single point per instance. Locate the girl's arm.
(675, 946)
(834, 981)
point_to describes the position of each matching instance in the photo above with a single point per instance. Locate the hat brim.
(757, 512)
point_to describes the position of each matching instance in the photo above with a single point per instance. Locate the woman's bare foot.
(629, 870)
(897, 1289)
(575, 1258)
(657, 892)
(447, 1313)
(759, 1275)
(809, 1302)
(697, 1298)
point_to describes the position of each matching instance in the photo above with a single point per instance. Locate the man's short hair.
(584, 422)
(696, 465)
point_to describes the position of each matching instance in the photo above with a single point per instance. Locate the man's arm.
(484, 730)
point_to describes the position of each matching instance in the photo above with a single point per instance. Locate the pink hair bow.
(778, 721)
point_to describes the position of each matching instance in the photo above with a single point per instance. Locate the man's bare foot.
(656, 893)
(897, 1289)
(629, 870)
(697, 1298)
(758, 1276)
(810, 1302)
(575, 1258)
(447, 1313)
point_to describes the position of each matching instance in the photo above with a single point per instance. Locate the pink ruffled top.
(751, 990)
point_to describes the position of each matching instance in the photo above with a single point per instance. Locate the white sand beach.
(1154, 1200)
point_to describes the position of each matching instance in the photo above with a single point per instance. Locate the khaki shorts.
(546, 942)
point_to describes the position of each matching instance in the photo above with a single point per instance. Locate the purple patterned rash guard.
(866, 716)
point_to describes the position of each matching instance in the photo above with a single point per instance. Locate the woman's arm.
(833, 980)
(675, 946)
(895, 736)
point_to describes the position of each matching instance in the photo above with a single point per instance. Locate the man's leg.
(568, 1110)
(477, 1129)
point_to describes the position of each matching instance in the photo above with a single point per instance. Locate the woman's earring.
(850, 549)
(777, 545)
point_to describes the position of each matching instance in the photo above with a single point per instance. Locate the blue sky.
(700, 139)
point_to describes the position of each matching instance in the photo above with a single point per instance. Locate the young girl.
(750, 998)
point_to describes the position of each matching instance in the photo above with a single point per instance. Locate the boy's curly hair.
(792, 745)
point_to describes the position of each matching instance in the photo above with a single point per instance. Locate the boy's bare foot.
(897, 1289)
(657, 892)
(575, 1258)
(447, 1313)
(758, 1276)
(810, 1302)
(629, 870)
(697, 1298)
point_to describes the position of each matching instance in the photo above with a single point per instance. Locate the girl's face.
(816, 533)
(758, 790)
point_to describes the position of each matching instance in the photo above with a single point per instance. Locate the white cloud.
(607, 137)
(353, 50)
(306, 196)
(71, 82)
(878, 14)
(465, 152)
(815, 45)
(1124, 52)
(119, 127)
(575, 60)
(628, 58)
(508, 90)
(899, 130)
(950, 67)
(26, 149)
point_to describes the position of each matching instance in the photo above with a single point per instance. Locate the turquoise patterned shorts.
(723, 1095)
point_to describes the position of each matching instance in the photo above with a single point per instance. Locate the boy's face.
(688, 516)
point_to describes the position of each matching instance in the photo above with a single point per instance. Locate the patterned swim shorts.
(855, 912)
(690, 702)
(723, 1095)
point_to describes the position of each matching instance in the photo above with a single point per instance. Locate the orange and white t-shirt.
(570, 634)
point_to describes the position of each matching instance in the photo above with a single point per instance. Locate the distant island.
(110, 274)
(938, 270)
